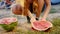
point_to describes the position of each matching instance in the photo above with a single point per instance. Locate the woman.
(37, 6)
(29, 6)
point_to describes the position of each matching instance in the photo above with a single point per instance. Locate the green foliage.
(9, 27)
(56, 21)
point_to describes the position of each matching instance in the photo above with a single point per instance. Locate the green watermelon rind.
(9, 27)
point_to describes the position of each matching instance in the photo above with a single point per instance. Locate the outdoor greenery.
(9, 27)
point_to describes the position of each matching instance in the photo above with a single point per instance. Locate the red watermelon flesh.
(41, 25)
(7, 20)
(1, 21)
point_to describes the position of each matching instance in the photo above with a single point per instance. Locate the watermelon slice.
(7, 20)
(8, 24)
(41, 25)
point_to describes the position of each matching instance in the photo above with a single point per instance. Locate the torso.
(32, 5)
(26, 5)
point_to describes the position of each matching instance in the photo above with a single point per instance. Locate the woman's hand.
(32, 20)
(42, 19)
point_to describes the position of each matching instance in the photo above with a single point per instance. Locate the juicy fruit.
(7, 20)
(8, 24)
(41, 25)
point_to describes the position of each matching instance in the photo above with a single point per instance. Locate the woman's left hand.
(32, 20)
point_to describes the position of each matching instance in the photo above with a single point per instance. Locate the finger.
(43, 19)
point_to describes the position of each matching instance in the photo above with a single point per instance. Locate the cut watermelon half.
(7, 20)
(41, 25)
(9, 24)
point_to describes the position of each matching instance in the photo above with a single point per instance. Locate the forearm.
(32, 18)
(30, 14)
(46, 11)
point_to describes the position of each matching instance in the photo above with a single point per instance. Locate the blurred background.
(6, 12)
(5, 8)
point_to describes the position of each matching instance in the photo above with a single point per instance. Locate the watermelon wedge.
(41, 25)
(8, 24)
(7, 20)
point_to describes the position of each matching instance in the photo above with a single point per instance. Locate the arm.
(40, 6)
(47, 9)
(31, 16)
